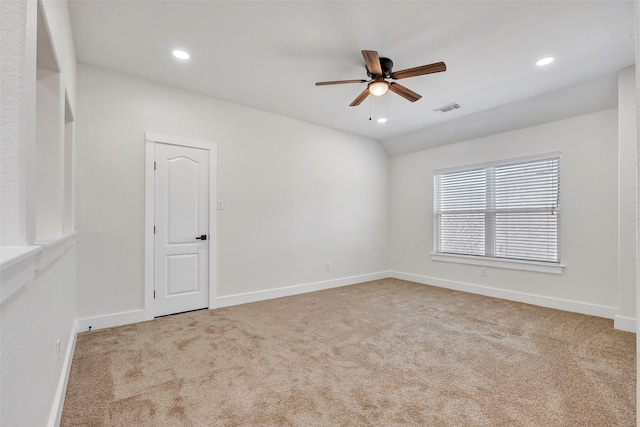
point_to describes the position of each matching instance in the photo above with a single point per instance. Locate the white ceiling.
(269, 54)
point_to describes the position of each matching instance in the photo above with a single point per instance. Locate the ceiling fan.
(379, 70)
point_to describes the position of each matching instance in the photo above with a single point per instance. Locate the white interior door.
(181, 229)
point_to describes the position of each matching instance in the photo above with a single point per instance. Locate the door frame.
(151, 138)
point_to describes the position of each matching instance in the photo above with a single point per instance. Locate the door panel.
(182, 200)
(182, 274)
(181, 215)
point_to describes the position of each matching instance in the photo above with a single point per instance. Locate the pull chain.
(387, 113)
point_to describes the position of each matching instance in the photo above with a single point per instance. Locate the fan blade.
(438, 67)
(360, 98)
(372, 60)
(339, 82)
(404, 92)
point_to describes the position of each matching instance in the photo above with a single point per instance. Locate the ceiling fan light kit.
(378, 88)
(380, 69)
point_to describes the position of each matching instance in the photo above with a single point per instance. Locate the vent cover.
(448, 107)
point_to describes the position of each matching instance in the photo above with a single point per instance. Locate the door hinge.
(154, 165)
(154, 229)
(154, 294)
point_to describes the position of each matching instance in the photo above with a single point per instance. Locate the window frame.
(555, 267)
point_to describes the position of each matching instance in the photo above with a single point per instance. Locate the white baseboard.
(136, 316)
(624, 323)
(58, 402)
(111, 320)
(620, 322)
(543, 301)
(237, 299)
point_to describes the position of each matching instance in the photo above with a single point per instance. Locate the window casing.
(507, 210)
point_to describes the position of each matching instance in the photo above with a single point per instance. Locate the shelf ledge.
(19, 264)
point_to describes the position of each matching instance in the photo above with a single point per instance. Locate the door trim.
(151, 138)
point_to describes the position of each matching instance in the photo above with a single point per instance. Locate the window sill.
(540, 267)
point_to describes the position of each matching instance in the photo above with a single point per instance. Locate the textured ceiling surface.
(269, 54)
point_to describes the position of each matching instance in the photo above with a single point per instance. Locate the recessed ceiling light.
(382, 120)
(180, 54)
(545, 61)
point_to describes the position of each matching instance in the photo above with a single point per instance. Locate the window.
(507, 210)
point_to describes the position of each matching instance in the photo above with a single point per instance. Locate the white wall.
(588, 145)
(17, 125)
(37, 279)
(637, 248)
(296, 195)
(58, 22)
(627, 142)
(32, 320)
(49, 155)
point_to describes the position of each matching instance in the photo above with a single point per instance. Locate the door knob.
(203, 237)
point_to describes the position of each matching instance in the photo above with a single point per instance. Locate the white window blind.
(506, 210)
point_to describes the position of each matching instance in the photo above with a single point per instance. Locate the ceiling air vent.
(448, 107)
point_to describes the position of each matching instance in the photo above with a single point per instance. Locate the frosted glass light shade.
(378, 88)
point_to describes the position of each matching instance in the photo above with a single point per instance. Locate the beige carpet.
(383, 353)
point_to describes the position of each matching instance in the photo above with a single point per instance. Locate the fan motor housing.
(386, 64)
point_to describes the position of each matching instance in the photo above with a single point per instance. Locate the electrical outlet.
(58, 352)
(328, 266)
(483, 271)
(220, 205)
